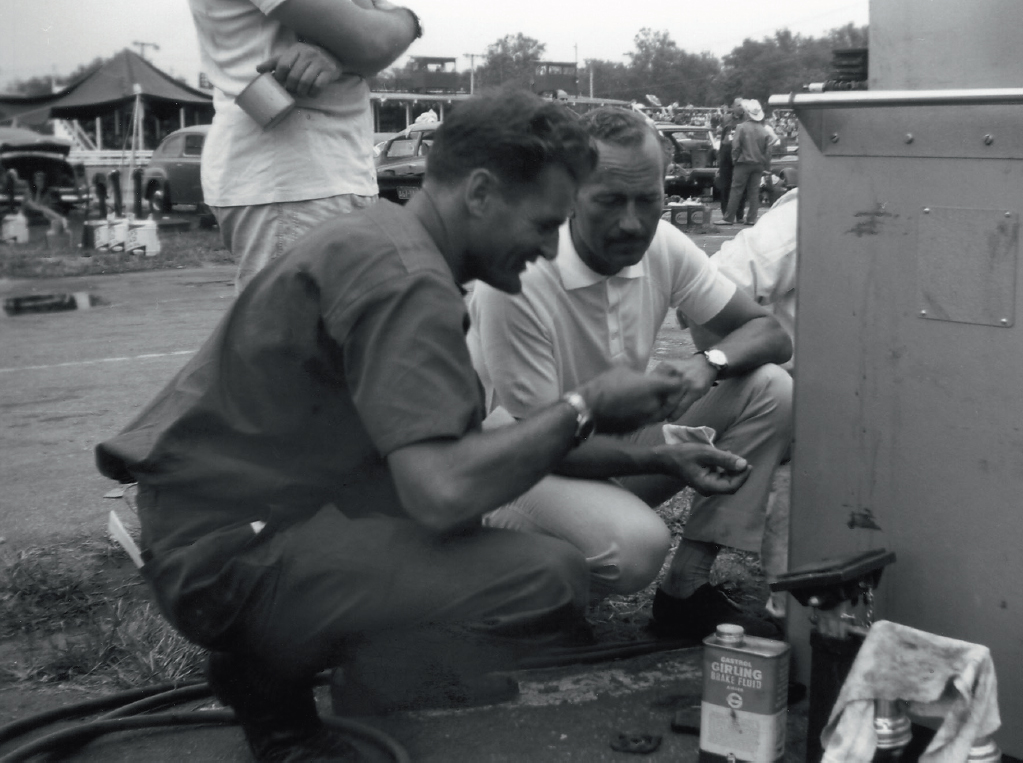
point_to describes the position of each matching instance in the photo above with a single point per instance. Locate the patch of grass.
(178, 249)
(79, 609)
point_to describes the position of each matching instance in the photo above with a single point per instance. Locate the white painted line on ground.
(100, 360)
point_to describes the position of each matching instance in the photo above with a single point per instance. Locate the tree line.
(780, 63)
(657, 66)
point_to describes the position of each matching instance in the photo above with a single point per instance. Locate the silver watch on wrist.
(717, 360)
(584, 424)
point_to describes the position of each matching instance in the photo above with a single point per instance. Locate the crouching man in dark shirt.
(311, 483)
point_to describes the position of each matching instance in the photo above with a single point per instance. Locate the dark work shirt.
(348, 348)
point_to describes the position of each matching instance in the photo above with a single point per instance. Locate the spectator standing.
(751, 157)
(723, 180)
(267, 187)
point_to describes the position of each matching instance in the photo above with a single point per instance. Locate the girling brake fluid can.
(745, 697)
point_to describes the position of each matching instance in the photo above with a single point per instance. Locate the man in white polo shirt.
(599, 304)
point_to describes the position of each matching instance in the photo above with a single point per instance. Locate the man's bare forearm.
(758, 341)
(364, 38)
(448, 483)
(603, 457)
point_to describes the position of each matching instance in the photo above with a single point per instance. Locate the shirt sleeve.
(407, 365)
(761, 261)
(514, 352)
(697, 286)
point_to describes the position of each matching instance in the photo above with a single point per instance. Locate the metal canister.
(984, 750)
(745, 697)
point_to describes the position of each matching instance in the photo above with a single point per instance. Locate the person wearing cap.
(267, 187)
(751, 155)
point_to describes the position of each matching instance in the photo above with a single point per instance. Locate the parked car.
(172, 175)
(782, 178)
(29, 153)
(694, 160)
(401, 163)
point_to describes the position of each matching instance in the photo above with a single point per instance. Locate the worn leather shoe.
(278, 718)
(698, 616)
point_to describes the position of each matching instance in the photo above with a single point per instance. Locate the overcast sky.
(39, 37)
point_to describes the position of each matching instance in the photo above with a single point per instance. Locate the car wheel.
(160, 199)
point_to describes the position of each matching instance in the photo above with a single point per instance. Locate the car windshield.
(400, 147)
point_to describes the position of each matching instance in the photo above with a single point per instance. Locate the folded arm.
(364, 38)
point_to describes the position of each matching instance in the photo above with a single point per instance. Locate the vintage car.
(172, 175)
(694, 160)
(401, 163)
(27, 157)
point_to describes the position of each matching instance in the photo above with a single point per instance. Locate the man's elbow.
(380, 51)
(439, 508)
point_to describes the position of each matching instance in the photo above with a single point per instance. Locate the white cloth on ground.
(939, 677)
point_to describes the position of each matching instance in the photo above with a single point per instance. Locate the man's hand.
(694, 377)
(704, 468)
(622, 400)
(303, 69)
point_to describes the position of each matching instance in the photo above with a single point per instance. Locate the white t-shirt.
(569, 323)
(323, 148)
(762, 262)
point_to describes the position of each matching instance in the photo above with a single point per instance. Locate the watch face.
(717, 358)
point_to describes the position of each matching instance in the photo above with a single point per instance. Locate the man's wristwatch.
(584, 424)
(717, 360)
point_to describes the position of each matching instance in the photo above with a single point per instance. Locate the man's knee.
(641, 553)
(554, 574)
(773, 385)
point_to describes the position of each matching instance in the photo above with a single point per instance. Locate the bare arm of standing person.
(364, 37)
(445, 484)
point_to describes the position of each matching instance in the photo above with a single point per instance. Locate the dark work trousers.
(315, 594)
(724, 179)
(745, 179)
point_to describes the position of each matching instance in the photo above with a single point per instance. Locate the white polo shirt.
(323, 148)
(569, 323)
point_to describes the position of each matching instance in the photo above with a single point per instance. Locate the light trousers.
(258, 234)
(623, 539)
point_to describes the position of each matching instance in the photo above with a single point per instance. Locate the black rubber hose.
(173, 697)
(19, 728)
(599, 652)
(88, 731)
(124, 705)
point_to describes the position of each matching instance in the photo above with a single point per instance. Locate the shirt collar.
(576, 274)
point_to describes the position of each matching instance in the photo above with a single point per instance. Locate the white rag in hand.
(939, 677)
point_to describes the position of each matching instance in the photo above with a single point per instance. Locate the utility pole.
(575, 48)
(472, 70)
(142, 47)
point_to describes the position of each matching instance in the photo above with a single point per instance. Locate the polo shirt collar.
(576, 274)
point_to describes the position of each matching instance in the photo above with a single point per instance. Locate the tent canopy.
(113, 85)
(108, 88)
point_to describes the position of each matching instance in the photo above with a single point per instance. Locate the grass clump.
(80, 609)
